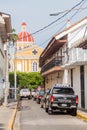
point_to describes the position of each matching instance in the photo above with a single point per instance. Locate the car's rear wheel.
(68, 111)
(74, 112)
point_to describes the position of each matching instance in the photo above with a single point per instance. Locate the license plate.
(63, 105)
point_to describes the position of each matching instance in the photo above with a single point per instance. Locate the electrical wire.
(59, 17)
(46, 27)
(65, 23)
(61, 12)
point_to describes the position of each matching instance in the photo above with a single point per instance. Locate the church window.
(34, 66)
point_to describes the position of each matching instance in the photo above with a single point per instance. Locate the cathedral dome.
(24, 36)
(24, 24)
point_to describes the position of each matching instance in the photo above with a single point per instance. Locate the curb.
(82, 116)
(11, 122)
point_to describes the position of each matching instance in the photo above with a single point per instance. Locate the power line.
(45, 27)
(73, 8)
(59, 17)
(61, 12)
(65, 23)
(77, 10)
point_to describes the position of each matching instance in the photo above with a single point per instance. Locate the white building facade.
(5, 28)
(75, 64)
(70, 66)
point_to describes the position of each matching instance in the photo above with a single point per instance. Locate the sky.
(36, 13)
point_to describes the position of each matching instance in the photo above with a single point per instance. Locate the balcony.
(57, 61)
(76, 56)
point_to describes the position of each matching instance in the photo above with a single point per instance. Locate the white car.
(25, 93)
(33, 92)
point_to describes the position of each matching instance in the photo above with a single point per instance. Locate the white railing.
(75, 55)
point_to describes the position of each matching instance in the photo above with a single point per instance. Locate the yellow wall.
(25, 58)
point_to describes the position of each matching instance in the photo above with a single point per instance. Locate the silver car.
(25, 93)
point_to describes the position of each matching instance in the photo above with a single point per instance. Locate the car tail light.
(52, 98)
(76, 99)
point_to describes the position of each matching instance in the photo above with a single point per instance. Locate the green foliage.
(29, 80)
(13, 36)
(11, 78)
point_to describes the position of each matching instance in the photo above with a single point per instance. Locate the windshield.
(63, 91)
(24, 90)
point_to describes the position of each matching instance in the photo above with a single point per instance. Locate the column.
(22, 65)
(66, 76)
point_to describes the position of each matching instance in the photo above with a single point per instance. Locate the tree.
(11, 78)
(30, 80)
(13, 36)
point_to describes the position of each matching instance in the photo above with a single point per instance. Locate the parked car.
(40, 96)
(62, 97)
(33, 92)
(35, 95)
(43, 99)
(25, 93)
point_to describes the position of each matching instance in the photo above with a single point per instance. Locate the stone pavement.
(80, 114)
(6, 114)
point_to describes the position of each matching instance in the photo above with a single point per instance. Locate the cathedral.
(27, 52)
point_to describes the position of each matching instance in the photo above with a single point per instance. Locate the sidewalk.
(82, 115)
(6, 115)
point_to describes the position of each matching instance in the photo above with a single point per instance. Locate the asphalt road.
(32, 117)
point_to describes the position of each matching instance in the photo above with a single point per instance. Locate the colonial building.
(27, 54)
(64, 60)
(5, 28)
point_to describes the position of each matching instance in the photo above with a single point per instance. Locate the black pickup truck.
(63, 98)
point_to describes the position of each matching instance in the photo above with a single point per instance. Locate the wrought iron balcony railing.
(54, 62)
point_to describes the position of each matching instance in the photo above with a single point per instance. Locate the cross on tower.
(34, 51)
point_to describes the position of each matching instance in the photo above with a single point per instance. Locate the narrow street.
(32, 117)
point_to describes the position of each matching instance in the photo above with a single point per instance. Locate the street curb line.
(11, 122)
(81, 116)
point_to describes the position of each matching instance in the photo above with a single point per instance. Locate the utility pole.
(7, 82)
(14, 38)
(15, 76)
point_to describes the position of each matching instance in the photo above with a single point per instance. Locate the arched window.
(34, 66)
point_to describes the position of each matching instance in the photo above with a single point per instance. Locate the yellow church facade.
(27, 60)
(27, 53)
